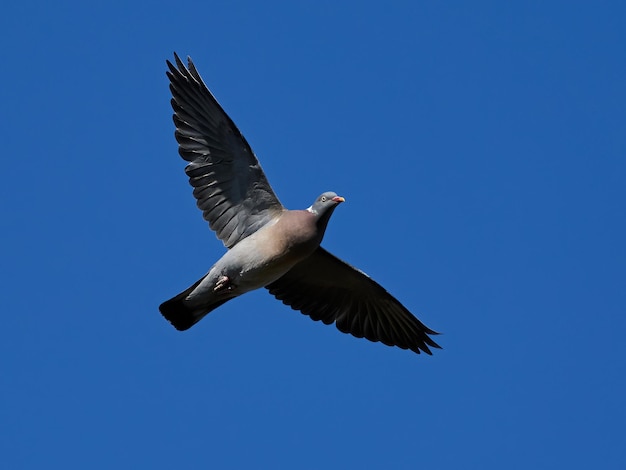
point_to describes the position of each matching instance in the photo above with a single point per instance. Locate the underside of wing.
(229, 184)
(330, 290)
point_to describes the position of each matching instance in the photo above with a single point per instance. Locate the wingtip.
(177, 59)
(429, 342)
(180, 66)
(179, 62)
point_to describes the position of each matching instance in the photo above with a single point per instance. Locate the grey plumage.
(268, 245)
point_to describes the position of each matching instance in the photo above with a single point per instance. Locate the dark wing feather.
(229, 184)
(327, 289)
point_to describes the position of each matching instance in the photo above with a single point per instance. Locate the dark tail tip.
(176, 312)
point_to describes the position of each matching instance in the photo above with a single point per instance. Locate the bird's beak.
(338, 199)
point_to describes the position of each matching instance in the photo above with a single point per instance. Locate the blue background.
(481, 149)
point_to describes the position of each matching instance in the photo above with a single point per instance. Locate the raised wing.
(328, 289)
(229, 184)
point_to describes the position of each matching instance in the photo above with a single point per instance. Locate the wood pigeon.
(268, 245)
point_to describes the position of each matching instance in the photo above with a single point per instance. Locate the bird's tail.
(182, 315)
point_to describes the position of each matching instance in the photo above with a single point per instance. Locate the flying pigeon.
(268, 245)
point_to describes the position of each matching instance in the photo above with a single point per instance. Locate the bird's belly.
(250, 269)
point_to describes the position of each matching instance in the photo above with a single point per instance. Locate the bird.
(269, 246)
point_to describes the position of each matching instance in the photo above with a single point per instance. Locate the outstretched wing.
(229, 184)
(328, 289)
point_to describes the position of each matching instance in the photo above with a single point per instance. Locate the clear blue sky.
(481, 148)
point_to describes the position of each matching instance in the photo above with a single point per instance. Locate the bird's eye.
(323, 198)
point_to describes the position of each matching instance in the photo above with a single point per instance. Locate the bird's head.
(325, 204)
